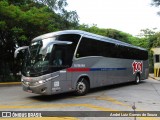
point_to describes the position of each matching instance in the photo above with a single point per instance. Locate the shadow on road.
(70, 95)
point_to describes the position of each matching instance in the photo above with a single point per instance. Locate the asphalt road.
(145, 97)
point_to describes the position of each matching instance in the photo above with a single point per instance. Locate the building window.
(157, 58)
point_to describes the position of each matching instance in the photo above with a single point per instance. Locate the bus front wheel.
(82, 87)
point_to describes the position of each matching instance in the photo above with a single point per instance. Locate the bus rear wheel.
(82, 87)
(137, 79)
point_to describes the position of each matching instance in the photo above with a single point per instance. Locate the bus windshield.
(36, 59)
(49, 55)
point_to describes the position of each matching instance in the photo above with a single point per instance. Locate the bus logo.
(137, 67)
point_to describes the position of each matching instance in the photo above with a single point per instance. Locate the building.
(156, 58)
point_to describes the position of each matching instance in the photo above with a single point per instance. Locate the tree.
(149, 36)
(55, 5)
(58, 6)
(112, 33)
(147, 32)
(149, 39)
(156, 3)
(20, 23)
(155, 40)
(145, 37)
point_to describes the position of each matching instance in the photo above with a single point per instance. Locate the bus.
(75, 60)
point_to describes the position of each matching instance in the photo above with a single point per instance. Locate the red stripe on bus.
(78, 69)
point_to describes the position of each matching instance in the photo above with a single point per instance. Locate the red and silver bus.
(74, 60)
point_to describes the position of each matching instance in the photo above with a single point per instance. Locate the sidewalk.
(155, 78)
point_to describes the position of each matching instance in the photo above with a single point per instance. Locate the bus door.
(60, 64)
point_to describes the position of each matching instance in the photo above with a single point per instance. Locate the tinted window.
(74, 38)
(157, 58)
(87, 47)
(91, 47)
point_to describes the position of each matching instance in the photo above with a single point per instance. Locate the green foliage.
(112, 33)
(149, 39)
(21, 21)
(32, 22)
(157, 4)
(2, 25)
(57, 5)
(146, 33)
(155, 40)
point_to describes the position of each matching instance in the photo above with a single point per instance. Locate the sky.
(129, 16)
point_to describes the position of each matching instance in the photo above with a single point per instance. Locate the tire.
(137, 79)
(82, 87)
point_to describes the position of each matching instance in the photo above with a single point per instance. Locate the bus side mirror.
(19, 49)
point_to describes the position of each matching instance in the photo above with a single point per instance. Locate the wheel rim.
(81, 87)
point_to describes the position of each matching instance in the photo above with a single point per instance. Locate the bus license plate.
(30, 91)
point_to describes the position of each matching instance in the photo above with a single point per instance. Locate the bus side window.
(58, 58)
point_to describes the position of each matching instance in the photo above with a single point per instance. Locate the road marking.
(69, 105)
(114, 101)
(98, 107)
(10, 83)
(24, 102)
(148, 118)
(110, 99)
(57, 105)
(91, 106)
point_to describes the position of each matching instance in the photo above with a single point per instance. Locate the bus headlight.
(41, 81)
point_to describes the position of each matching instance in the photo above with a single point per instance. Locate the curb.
(9, 83)
(154, 78)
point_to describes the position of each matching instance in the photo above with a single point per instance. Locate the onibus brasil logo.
(137, 67)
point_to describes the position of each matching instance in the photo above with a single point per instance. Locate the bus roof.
(84, 33)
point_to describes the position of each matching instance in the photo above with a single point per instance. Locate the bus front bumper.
(44, 88)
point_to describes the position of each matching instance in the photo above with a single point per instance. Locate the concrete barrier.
(156, 72)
